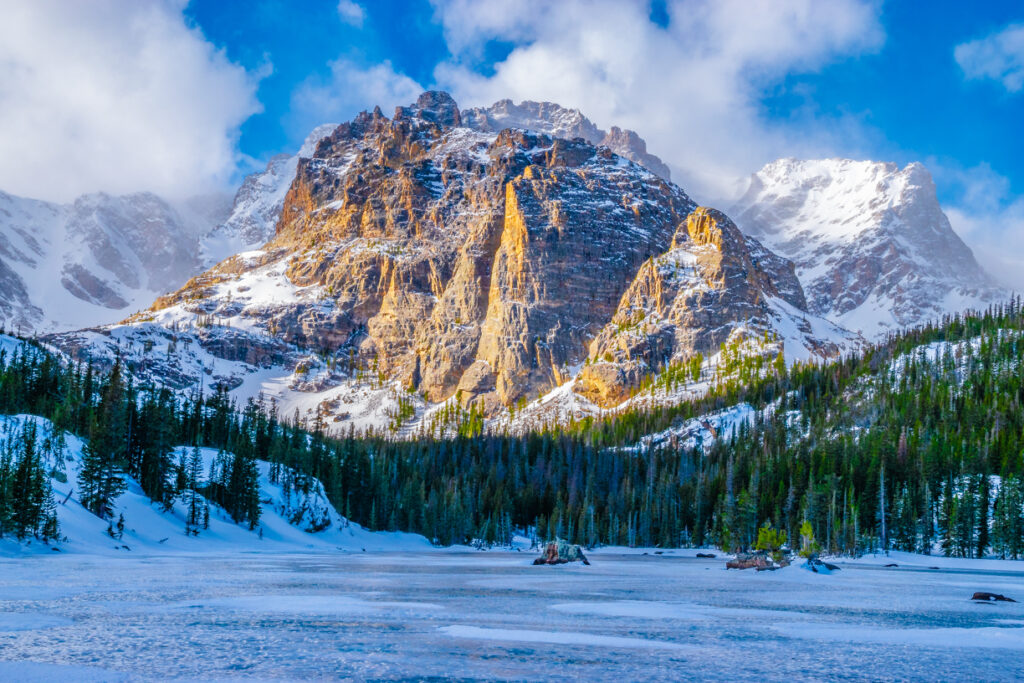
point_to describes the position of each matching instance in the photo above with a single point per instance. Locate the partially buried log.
(560, 552)
(991, 597)
(749, 561)
(706, 556)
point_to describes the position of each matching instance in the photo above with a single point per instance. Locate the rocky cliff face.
(259, 201)
(92, 261)
(454, 262)
(568, 124)
(453, 259)
(871, 244)
(710, 287)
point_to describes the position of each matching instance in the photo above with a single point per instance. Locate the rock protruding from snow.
(872, 247)
(560, 552)
(561, 122)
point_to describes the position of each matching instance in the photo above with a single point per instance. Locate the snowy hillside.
(872, 247)
(286, 514)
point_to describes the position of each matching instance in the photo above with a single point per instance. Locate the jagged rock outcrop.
(872, 247)
(568, 124)
(419, 256)
(711, 284)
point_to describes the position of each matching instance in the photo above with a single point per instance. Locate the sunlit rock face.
(439, 248)
(710, 284)
(459, 261)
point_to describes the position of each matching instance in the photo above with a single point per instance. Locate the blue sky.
(863, 79)
(186, 96)
(910, 95)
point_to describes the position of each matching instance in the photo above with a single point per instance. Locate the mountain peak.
(870, 241)
(435, 106)
(566, 123)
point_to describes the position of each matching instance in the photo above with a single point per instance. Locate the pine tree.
(100, 479)
(1008, 519)
(243, 491)
(193, 500)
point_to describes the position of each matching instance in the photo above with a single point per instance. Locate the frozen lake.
(492, 615)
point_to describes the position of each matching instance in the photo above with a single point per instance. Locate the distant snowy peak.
(561, 122)
(258, 203)
(541, 117)
(92, 261)
(872, 247)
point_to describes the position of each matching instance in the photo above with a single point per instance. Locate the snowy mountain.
(561, 122)
(422, 266)
(95, 260)
(872, 247)
(258, 203)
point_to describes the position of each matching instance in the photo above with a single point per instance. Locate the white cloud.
(989, 218)
(999, 57)
(350, 89)
(692, 89)
(351, 13)
(115, 95)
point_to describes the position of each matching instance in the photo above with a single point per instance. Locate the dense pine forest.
(914, 444)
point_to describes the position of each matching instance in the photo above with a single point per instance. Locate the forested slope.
(914, 444)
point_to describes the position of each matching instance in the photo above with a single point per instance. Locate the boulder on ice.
(560, 552)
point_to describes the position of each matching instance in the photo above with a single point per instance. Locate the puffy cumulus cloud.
(692, 87)
(351, 12)
(115, 95)
(349, 89)
(989, 217)
(999, 57)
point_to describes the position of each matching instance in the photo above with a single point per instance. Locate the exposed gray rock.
(561, 122)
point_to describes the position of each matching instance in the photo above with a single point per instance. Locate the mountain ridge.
(471, 267)
(93, 260)
(871, 244)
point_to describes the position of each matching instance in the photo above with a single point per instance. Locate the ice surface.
(491, 615)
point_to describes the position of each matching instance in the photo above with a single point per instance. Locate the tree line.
(894, 447)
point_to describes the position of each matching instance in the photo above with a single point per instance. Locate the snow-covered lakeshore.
(491, 615)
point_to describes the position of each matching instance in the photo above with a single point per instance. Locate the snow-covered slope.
(286, 514)
(258, 204)
(95, 260)
(872, 247)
